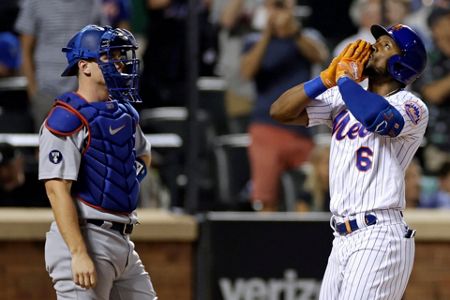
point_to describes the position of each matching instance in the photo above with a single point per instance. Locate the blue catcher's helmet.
(118, 45)
(408, 65)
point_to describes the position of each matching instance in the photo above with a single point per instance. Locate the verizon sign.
(290, 287)
(245, 256)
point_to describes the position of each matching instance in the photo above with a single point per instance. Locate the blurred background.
(218, 158)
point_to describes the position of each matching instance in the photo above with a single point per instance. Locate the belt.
(120, 227)
(349, 226)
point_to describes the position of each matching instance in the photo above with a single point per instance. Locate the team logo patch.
(413, 111)
(55, 156)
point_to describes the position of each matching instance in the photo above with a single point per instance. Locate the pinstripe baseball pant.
(374, 262)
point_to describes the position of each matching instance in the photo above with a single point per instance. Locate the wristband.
(314, 87)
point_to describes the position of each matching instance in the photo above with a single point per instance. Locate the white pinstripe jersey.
(367, 169)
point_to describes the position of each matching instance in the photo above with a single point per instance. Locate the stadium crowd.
(255, 49)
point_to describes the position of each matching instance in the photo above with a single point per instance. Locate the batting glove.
(353, 62)
(329, 74)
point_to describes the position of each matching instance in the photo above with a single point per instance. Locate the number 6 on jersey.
(364, 158)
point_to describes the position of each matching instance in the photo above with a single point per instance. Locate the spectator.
(45, 26)
(14, 112)
(434, 85)
(19, 187)
(441, 198)
(413, 184)
(397, 11)
(418, 18)
(400, 11)
(9, 54)
(234, 18)
(163, 81)
(315, 194)
(363, 13)
(118, 13)
(276, 59)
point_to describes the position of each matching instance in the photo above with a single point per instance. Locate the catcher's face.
(94, 70)
(117, 56)
(383, 49)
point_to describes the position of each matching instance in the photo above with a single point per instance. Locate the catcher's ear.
(84, 67)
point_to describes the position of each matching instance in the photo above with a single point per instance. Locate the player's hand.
(353, 62)
(328, 75)
(83, 270)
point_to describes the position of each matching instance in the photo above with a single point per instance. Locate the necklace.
(393, 92)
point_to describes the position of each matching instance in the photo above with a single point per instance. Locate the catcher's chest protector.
(107, 176)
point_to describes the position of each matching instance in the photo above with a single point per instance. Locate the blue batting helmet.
(118, 45)
(411, 62)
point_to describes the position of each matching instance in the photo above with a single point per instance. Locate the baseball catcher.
(92, 156)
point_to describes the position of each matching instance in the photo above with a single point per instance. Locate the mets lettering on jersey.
(343, 129)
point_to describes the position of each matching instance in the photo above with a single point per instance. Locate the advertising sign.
(253, 256)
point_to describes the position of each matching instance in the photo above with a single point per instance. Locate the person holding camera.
(276, 58)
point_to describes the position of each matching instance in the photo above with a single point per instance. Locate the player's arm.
(66, 217)
(372, 110)
(289, 108)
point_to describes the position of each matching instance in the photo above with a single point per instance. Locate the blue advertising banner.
(253, 256)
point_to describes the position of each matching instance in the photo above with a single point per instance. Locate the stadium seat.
(172, 165)
(232, 171)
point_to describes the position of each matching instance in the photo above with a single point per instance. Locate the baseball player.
(92, 157)
(375, 133)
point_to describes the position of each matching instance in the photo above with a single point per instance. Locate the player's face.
(383, 49)
(96, 72)
(116, 56)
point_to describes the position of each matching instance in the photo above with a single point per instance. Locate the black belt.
(120, 227)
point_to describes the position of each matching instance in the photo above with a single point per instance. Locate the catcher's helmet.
(118, 45)
(408, 65)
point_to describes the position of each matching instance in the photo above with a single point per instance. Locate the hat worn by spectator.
(9, 50)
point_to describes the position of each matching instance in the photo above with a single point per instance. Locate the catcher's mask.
(118, 46)
(411, 62)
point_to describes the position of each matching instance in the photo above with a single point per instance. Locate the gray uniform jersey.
(70, 149)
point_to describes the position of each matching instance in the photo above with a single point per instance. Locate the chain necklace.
(393, 92)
